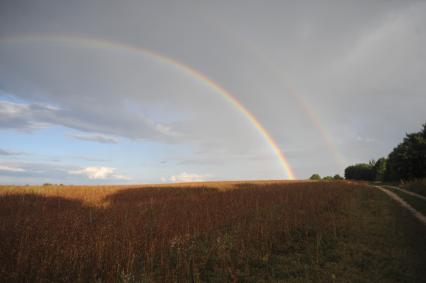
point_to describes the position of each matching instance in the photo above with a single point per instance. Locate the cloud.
(5, 152)
(95, 173)
(93, 159)
(12, 169)
(30, 173)
(22, 117)
(25, 169)
(29, 117)
(95, 138)
(99, 91)
(186, 177)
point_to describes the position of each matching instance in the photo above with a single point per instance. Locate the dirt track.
(404, 204)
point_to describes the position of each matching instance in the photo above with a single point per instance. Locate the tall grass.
(170, 234)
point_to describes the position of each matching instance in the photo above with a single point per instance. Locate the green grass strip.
(418, 203)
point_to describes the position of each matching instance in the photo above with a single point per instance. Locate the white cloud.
(186, 177)
(99, 173)
(11, 168)
(35, 173)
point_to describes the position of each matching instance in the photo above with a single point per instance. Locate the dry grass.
(215, 232)
(96, 194)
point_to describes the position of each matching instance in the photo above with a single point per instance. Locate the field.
(208, 232)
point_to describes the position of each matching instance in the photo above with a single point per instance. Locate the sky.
(104, 92)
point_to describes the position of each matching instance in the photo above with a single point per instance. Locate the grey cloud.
(95, 138)
(29, 117)
(5, 152)
(133, 97)
(20, 116)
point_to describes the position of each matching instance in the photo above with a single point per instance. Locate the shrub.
(337, 177)
(315, 177)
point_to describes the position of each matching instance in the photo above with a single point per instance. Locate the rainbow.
(326, 136)
(281, 76)
(102, 43)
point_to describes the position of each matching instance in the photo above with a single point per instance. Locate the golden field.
(265, 231)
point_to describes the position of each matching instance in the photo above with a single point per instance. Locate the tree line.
(407, 161)
(329, 178)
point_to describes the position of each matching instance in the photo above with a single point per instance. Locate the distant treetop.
(315, 177)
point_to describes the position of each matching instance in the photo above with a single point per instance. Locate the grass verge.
(417, 186)
(418, 203)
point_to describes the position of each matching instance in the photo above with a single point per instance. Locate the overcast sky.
(91, 92)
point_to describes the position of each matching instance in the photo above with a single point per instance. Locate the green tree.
(407, 161)
(315, 177)
(380, 169)
(337, 177)
(361, 171)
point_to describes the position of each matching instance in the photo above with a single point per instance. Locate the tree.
(315, 177)
(328, 178)
(407, 161)
(380, 169)
(337, 177)
(361, 171)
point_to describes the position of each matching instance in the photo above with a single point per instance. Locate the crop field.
(208, 232)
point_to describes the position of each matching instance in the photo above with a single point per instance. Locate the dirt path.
(404, 204)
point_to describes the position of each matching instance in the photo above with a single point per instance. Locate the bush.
(337, 177)
(315, 177)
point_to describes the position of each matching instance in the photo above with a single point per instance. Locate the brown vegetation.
(192, 233)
